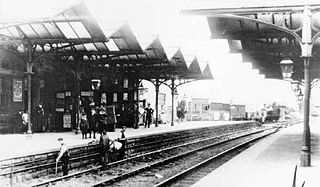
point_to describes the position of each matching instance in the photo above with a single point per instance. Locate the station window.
(5, 94)
(115, 97)
(125, 83)
(125, 96)
(135, 95)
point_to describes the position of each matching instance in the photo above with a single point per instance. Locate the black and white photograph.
(159, 93)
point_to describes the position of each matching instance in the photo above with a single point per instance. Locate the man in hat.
(122, 139)
(149, 114)
(104, 144)
(64, 156)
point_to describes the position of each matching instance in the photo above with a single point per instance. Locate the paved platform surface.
(12, 145)
(271, 162)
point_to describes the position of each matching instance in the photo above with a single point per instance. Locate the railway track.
(143, 167)
(174, 163)
(193, 174)
(43, 164)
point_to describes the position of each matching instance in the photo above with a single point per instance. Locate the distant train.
(266, 115)
(273, 115)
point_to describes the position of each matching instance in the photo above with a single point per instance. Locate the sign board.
(68, 94)
(66, 121)
(17, 90)
(60, 95)
(162, 99)
(87, 93)
(59, 109)
(103, 97)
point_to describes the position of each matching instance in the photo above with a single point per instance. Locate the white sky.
(233, 81)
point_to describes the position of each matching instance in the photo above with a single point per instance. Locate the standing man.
(84, 126)
(122, 139)
(64, 156)
(25, 118)
(149, 113)
(40, 118)
(104, 144)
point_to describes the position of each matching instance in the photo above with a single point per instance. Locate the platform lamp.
(95, 85)
(295, 86)
(300, 95)
(175, 93)
(286, 66)
(140, 86)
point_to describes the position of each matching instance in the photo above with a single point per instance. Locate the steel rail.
(92, 170)
(140, 141)
(173, 180)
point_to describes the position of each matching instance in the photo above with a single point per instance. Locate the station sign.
(67, 121)
(17, 90)
(86, 93)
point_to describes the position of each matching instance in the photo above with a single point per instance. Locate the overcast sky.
(233, 80)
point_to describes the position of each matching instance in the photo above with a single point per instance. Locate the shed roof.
(265, 35)
(74, 35)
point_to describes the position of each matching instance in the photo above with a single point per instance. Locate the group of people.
(21, 121)
(92, 119)
(108, 148)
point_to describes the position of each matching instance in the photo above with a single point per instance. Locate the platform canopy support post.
(172, 101)
(306, 54)
(28, 46)
(157, 85)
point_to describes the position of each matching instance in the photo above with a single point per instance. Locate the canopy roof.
(74, 35)
(265, 35)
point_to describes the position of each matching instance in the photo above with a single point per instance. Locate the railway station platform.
(13, 145)
(271, 162)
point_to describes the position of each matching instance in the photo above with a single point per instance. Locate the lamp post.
(174, 92)
(286, 66)
(139, 90)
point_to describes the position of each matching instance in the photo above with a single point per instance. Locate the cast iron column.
(136, 105)
(306, 54)
(78, 77)
(29, 72)
(157, 102)
(172, 101)
(305, 159)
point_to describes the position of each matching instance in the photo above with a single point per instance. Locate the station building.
(202, 109)
(67, 61)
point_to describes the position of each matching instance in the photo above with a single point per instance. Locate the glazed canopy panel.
(73, 35)
(259, 43)
(265, 35)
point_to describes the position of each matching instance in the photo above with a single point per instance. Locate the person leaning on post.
(63, 156)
